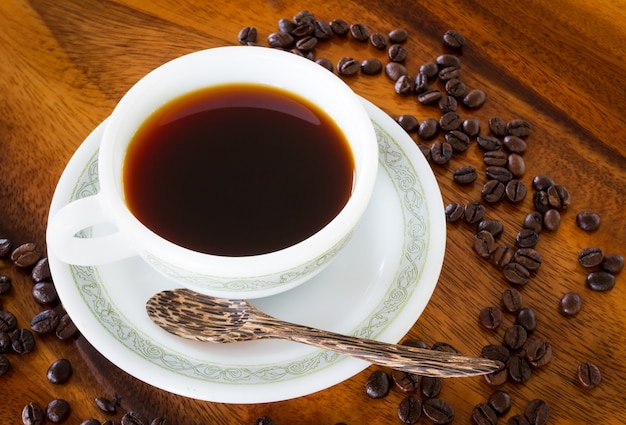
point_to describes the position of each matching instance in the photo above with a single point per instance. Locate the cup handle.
(72, 249)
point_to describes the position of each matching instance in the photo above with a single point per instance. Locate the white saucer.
(377, 288)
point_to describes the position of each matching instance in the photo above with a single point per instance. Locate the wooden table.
(560, 65)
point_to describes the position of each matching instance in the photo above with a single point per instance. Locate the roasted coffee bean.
(499, 173)
(378, 41)
(518, 127)
(495, 158)
(59, 371)
(465, 174)
(328, 64)
(359, 32)
(540, 201)
(303, 29)
(515, 337)
(371, 66)
(502, 255)
(516, 164)
(45, 322)
(482, 414)
(408, 122)
(484, 243)
(527, 238)
(570, 304)
(497, 126)
(500, 402)
(5, 342)
(455, 87)
(66, 328)
(417, 343)
(45, 293)
(538, 352)
(5, 284)
(307, 43)
(516, 274)
(438, 411)
(429, 69)
(377, 384)
(397, 53)
(441, 152)
(247, 35)
(588, 221)
(404, 85)
(281, 40)
(429, 96)
(542, 182)
(26, 255)
(490, 317)
(534, 221)
(528, 257)
(493, 191)
(348, 66)
(558, 197)
(398, 35)
(458, 140)
(305, 54)
(410, 410)
(474, 99)
(321, 30)
(537, 412)
(33, 414)
(106, 405)
(8, 321)
(450, 121)
(57, 410)
(517, 420)
(512, 300)
(428, 129)
(453, 39)
(5, 247)
(590, 257)
(600, 281)
(454, 212)
(514, 144)
(527, 319)
(286, 25)
(41, 271)
(448, 104)
(495, 227)
(446, 60)
(551, 220)
(589, 375)
(448, 73)
(497, 378)
(134, 418)
(304, 16)
(519, 369)
(613, 263)
(471, 127)
(431, 386)
(22, 341)
(496, 352)
(405, 381)
(444, 346)
(421, 83)
(515, 190)
(394, 70)
(339, 27)
(474, 212)
(489, 143)
(5, 364)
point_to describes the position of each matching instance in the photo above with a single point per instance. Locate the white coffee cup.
(222, 276)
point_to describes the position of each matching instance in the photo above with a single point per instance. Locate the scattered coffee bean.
(500, 402)
(134, 418)
(499, 173)
(453, 39)
(371, 66)
(405, 381)
(398, 35)
(444, 346)
(448, 104)
(5, 364)
(378, 41)
(307, 43)
(474, 212)
(465, 174)
(33, 414)
(515, 190)
(449, 73)
(482, 414)
(527, 238)
(601, 281)
(428, 129)
(474, 99)
(281, 40)
(45, 293)
(41, 271)
(471, 126)
(429, 69)
(484, 243)
(534, 221)
(304, 16)
(408, 122)
(497, 378)
(490, 317)
(440, 152)
(339, 27)
(520, 369)
(328, 64)
(377, 385)
(538, 352)
(589, 375)
(5, 284)
(528, 257)
(424, 149)
(517, 420)
(613, 263)
(490, 143)
(570, 304)
(394, 70)
(454, 212)
(59, 371)
(106, 405)
(446, 60)
(359, 32)
(8, 321)
(495, 227)
(537, 412)
(45, 322)
(26, 255)
(540, 201)
(512, 300)
(527, 319)
(438, 411)
(496, 352)
(428, 97)
(450, 121)
(515, 337)
(421, 83)
(247, 35)
(497, 126)
(57, 410)
(542, 182)
(517, 165)
(322, 30)
(502, 255)
(590, 257)
(417, 343)
(514, 144)
(66, 328)
(588, 221)
(404, 85)
(558, 197)
(22, 341)
(5, 342)
(552, 220)
(410, 410)
(493, 191)
(431, 386)
(397, 53)
(495, 158)
(348, 66)
(455, 87)
(5, 247)
(518, 127)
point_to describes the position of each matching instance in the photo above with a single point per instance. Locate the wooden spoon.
(199, 317)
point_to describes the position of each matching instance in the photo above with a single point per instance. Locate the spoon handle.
(401, 357)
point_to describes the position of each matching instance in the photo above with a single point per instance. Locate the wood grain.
(560, 64)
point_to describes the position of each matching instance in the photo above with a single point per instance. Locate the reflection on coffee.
(238, 169)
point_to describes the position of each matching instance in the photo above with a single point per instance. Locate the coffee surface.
(237, 170)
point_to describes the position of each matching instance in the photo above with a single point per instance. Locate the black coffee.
(238, 170)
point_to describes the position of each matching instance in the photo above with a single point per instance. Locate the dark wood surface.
(561, 65)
